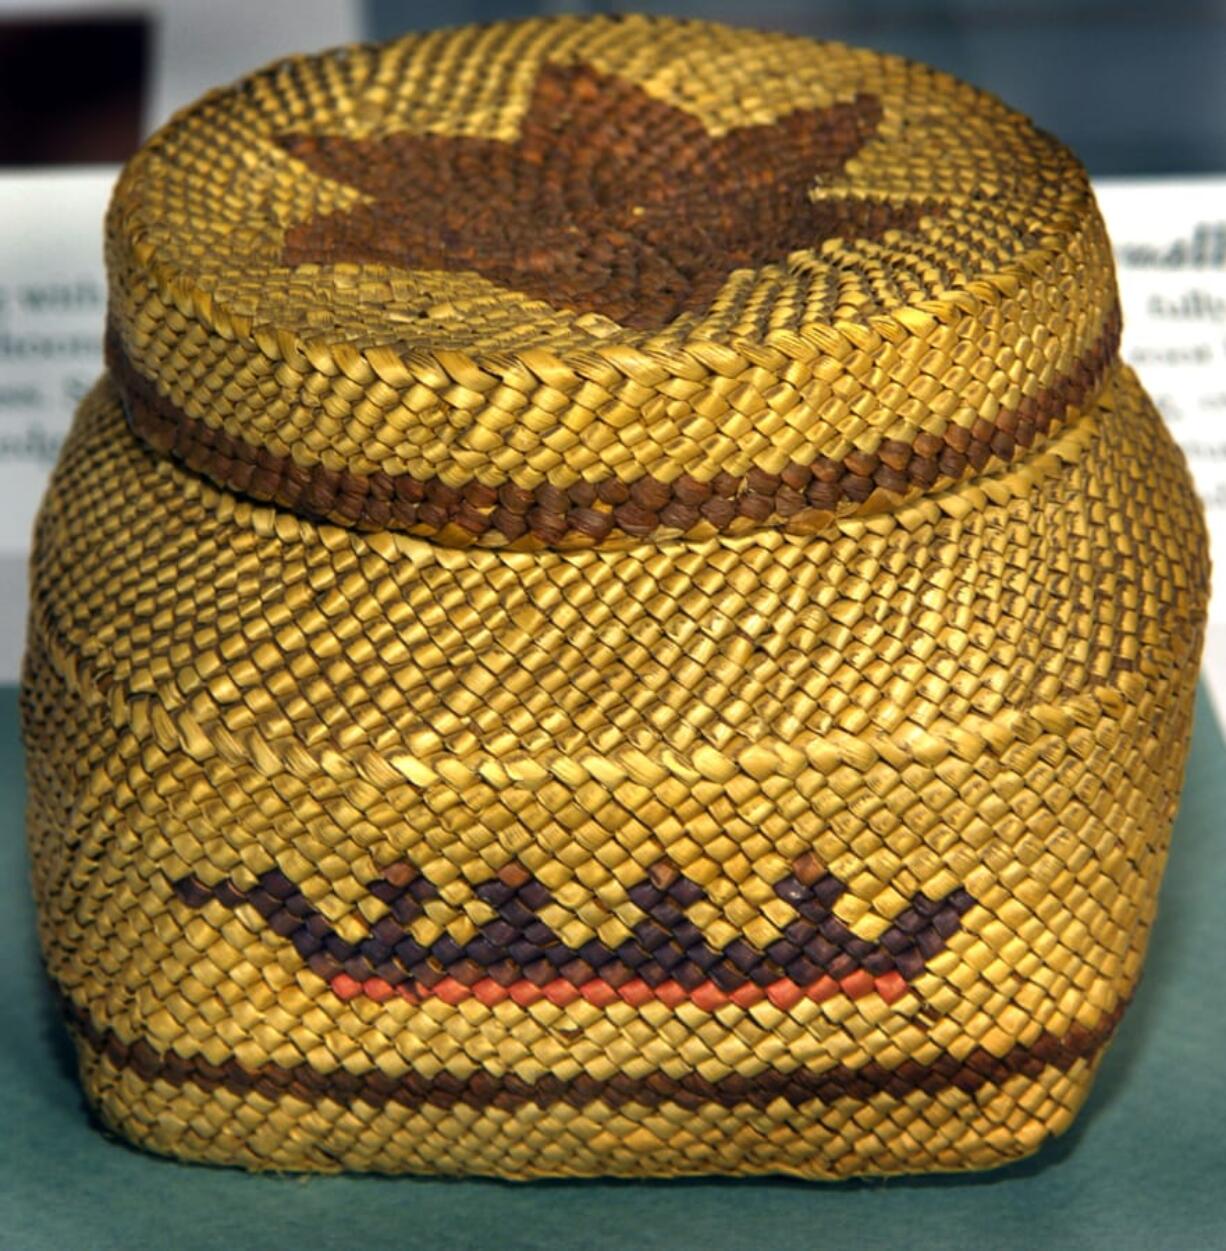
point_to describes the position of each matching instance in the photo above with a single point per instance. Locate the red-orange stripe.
(709, 997)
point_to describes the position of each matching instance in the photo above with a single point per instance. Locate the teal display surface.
(1144, 1166)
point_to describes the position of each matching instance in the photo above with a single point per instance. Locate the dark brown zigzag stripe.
(665, 945)
(980, 1068)
(590, 511)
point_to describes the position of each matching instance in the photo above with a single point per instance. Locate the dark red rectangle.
(72, 90)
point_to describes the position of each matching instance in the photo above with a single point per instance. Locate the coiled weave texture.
(616, 612)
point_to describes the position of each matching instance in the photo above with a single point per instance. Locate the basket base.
(205, 1118)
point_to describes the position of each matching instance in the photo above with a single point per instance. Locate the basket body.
(602, 820)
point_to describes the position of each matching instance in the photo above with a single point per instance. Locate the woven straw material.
(615, 612)
(794, 282)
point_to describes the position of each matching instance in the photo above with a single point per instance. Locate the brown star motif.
(610, 201)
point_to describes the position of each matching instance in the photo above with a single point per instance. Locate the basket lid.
(588, 280)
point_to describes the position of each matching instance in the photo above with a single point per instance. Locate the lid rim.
(963, 301)
(801, 499)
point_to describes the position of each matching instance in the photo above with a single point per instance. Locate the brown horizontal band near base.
(482, 1089)
(589, 512)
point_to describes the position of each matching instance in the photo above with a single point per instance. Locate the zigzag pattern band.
(520, 957)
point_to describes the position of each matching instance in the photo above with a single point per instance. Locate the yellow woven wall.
(727, 718)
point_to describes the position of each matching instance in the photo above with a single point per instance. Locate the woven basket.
(616, 611)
